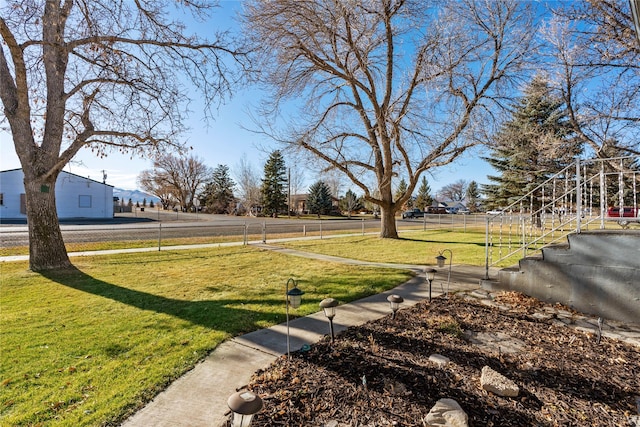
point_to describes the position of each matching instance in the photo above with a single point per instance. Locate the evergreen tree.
(273, 184)
(424, 199)
(535, 143)
(319, 200)
(218, 193)
(402, 188)
(350, 203)
(473, 195)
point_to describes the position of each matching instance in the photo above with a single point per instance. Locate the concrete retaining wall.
(597, 273)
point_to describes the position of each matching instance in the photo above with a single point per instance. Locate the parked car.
(627, 212)
(495, 212)
(451, 210)
(413, 213)
(436, 210)
(629, 215)
(464, 211)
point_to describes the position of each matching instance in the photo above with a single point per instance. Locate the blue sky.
(222, 141)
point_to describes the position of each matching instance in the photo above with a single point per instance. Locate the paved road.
(160, 225)
(146, 226)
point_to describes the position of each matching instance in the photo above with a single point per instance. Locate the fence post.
(321, 229)
(159, 235)
(363, 226)
(304, 230)
(246, 234)
(264, 232)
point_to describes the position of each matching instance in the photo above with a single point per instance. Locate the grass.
(418, 247)
(89, 346)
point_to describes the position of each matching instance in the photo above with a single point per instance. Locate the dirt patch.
(379, 374)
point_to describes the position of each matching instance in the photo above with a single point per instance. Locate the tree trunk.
(388, 228)
(46, 246)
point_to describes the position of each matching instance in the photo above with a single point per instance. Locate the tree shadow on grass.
(223, 315)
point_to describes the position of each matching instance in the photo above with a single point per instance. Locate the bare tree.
(100, 75)
(183, 177)
(595, 67)
(249, 182)
(154, 183)
(390, 87)
(455, 192)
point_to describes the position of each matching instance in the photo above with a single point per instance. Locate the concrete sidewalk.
(199, 398)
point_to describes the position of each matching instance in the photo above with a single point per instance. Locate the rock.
(446, 413)
(439, 359)
(496, 342)
(497, 383)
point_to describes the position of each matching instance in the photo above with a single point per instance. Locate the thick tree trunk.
(388, 228)
(46, 246)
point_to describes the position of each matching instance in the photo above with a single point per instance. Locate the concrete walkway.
(199, 398)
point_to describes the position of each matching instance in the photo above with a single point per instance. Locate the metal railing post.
(486, 250)
(159, 236)
(578, 197)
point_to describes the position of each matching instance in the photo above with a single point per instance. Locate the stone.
(496, 342)
(439, 359)
(497, 383)
(446, 413)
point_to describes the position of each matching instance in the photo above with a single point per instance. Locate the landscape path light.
(441, 259)
(244, 405)
(293, 297)
(430, 274)
(394, 302)
(329, 306)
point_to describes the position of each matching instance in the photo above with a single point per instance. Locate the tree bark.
(388, 229)
(46, 246)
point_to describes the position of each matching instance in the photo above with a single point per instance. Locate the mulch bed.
(379, 374)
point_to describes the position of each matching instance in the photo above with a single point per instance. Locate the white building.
(76, 196)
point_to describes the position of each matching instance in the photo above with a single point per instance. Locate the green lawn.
(91, 345)
(416, 247)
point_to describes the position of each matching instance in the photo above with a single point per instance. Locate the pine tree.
(534, 144)
(473, 194)
(218, 193)
(424, 199)
(350, 203)
(319, 200)
(402, 188)
(275, 176)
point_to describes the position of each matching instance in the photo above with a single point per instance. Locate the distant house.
(76, 196)
(299, 204)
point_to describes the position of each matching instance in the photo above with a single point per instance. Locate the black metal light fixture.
(329, 306)
(441, 259)
(394, 303)
(244, 405)
(430, 274)
(293, 298)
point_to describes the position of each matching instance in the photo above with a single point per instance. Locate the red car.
(614, 212)
(627, 214)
